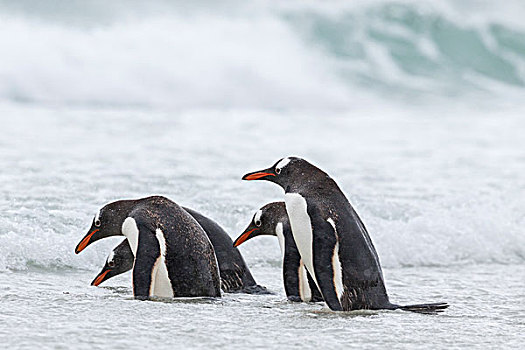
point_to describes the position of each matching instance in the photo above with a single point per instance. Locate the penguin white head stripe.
(257, 218)
(279, 166)
(111, 256)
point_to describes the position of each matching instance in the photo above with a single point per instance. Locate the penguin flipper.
(148, 251)
(231, 281)
(324, 242)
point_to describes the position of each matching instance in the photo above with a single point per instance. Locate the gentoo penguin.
(273, 220)
(173, 255)
(234, 273)
(120, 260)
(331, 238)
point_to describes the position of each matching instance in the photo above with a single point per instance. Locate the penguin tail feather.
(256, 289)
(432, 308)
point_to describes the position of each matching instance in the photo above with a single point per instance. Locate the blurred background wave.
(300, 54)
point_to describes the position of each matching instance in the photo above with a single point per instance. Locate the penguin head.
(264, 222)
(286, 172)
(120, 260)
(107, 222)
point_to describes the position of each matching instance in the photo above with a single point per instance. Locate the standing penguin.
(331, 238)
(173, 255)
(273, 220)
(235, 274)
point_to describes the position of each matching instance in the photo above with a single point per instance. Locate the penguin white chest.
(160, 282)
(302, 232)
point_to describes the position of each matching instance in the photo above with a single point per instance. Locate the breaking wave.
(259, 55)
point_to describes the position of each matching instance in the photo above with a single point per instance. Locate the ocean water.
(415, 108)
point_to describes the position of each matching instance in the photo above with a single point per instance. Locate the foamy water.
(415, 109)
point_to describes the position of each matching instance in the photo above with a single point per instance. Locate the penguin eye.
(277, 171)
(258, 223)
(97, 223)
(111, 263)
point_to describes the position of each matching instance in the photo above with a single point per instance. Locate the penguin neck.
(131, 231)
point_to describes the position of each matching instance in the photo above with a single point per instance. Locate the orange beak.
(100, 278)
(256, 176)
(83, 244)
(243, 237)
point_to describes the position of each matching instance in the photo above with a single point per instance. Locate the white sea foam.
(164, 61)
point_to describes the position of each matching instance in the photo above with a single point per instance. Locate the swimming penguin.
(273, 220)
(120, 260)
(173, 255)
(331, 238)
(235, 274)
